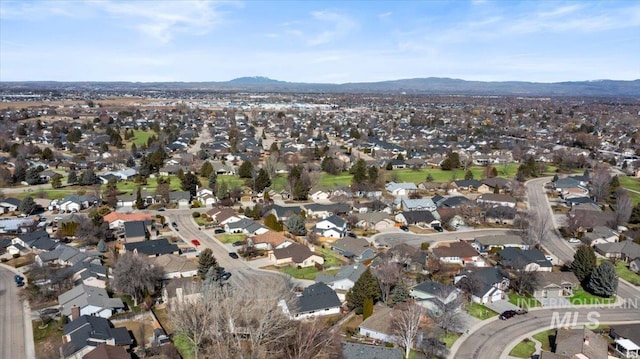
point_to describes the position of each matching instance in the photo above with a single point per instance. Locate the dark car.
(239, 243)
(508, 314)
(352, 235)
(20, 284)
(225, 276)
(162, 209)
(233, 255)
(174, 224)
(50, 311)
(404, 228)
(218, 231)
(18, 278)
(438, 228)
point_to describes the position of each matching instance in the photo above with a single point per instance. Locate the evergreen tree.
(603, 281)
(468, 175)
(56, 180)
(190, 182)
(206, 261)
(272, 222)
(429, 178)
(584, 261)
(72, 178)
(206, 169)
(32, 176)
(400, 293)
(213, 181)
(295, 225)
(27, 206)
(452, 161)
(367, 309)
(102, 246)
(365, 287)
(139, 201)
(130, 162)
(245, 170)
(635, 214)
(88, 177)
(262, 181)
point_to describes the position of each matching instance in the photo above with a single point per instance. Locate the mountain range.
(430, 85)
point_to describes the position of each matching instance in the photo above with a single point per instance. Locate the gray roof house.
(85, 333)
(364, 351)
(136, 231)
(485, 243)
(152, 248)
(485, 285)
(91, 301)
(356, 248)
(625, 250)
(528, 259)
(246, 226)
(344, 280)
(316, 300)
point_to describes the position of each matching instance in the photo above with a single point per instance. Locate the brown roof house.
(295, 254)
(104, 351)
(269, 240)
(458, 253)
(577, 343)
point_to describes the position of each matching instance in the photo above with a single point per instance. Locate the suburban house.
(364, 351)
(626, 339)
(408, 257)
(9, 204)
(245, 226)
(84, 333)
(577, 343)
(458, 253)
(297, 255)
(401, 189)
(17, 225)
(484, 285)
(378, 221)
(555, 285)
(283, 213)
(151, 248)
(319, 195)
(493, 184)
(358, 248)
(599, 234)
(378, 325)
(32, 241)
(433, 295)
(634, 266)
(118, 219)
(318, 210)
(176, 266)
(331, 227)
(419, 218)
(466, 185)
(136, 231)
(496, 199)
(500, 215)
(316, 300)
(104, 351)
(486, 243)
(91, 300)
(625, 250)
(344, 280)
(530, 260)
(268, 240)
(223, 215)
(419, 204)
(181, 290)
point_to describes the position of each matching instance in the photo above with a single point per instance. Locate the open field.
(115, 101)
(141, 137)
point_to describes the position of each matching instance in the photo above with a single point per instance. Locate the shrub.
(195, 214)
(425, 245)
(17, 255)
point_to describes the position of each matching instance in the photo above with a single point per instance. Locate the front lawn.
(523, 301)
(305, 273)
(449, 338)
(230, 237)
(329, 181)
(582, 297)
(231, 181)
(631, 183)
(184, 346)
(623, 271)
(546, 338)
(480, 311)
(47, 341)
(524, 349)
(331, 258)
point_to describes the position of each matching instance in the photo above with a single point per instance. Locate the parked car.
(438, 228)
(195, 242)
(219, 231)
(18, 278)
(174, 224)
(162, 209)
(239, 243)
(50, 311)
(20, 284)
(352, 235)
(508, 314)
(225, 276)
(574, 240)
(404, 228)
(233, 255)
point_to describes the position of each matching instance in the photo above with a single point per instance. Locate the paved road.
(489, 341)
(13, 336)
(391, 239)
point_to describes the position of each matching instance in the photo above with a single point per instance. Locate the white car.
(549, 258)
(574, 240)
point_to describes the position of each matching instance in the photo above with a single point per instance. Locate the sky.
(319, 41)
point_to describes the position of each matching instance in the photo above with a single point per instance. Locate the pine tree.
(262, 181)
(72, 178)
(206, 261)
(400, 293)
(139, 201)
(584, 261)
(367, 309)
(295, 225)
(468, 175)
(213, 180)
(206, 169)
(56, 180)
(365, 287)
(603, 281)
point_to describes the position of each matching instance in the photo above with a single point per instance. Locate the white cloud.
(341, 26)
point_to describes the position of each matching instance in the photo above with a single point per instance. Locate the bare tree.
(525, 281)
(537, 227)
(576, 220)
(405, 325)
(388, 273)
(448, 312)
(314, 340)
(624, 206)
(192, 318)
(600, 179)
(135, 275)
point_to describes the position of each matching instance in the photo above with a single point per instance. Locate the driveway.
(500, 306)
(554, 302)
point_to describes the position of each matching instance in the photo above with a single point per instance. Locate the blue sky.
(319, 41)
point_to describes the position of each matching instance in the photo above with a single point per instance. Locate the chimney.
(75, 312)
(586, 340)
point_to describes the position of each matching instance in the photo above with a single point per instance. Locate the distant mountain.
(431, 85)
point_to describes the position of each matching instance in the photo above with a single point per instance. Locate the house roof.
(153, 247)
(173, 263)
(454, 201)
(496, 197)
(413, 217)
(84, 295)
(104, 351)
(126, 217)
(517, 258)
(335, 208)
(297, 252)
(336, 221)
(483, 279)
(317, 297)
(430, 287)
(351, 272)
(355, 246)
(88, 327)
(135, 229)
(379, 321)
(282, 211)
(499, 240)
(12, 201)
(418, 204)
(455, 249)
(504, 212)
(580, 341)
(546, 279)
(271, 237)
(468, 183)
(627, 331)
(496, 182)
(221, 214)
(363, 351)
(393, 186)
(628, 248)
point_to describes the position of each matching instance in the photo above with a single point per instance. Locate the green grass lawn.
(625, 273)
(631, 183)
(184, 346)
(545, 338)
(449, 338)
(582, 297)
(141, 137)
(328, 181)
(525, 301)
(524, 349)
(331, 259)
(151, 186)
(47, 341)
(306, 273)
(480, 311)
(231, 237)
(231, 181)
